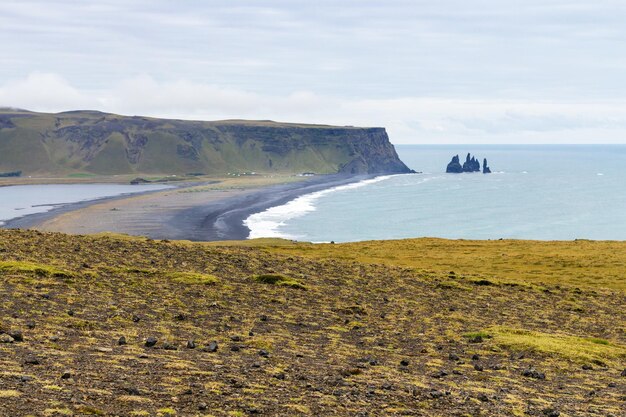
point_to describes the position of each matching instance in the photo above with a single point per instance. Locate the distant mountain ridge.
(109, 144)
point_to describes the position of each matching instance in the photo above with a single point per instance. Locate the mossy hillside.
(363, 338)
(108, 144)
(579, 263)
(586, 350)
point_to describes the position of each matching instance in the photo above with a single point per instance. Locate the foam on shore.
(268, 223)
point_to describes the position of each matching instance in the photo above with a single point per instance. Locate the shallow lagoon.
(22, 200)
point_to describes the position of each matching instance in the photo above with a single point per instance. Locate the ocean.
(544, 192)
(21, 200)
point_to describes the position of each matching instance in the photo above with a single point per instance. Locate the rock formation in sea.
(486, 169)
(471, 164)
(454, 166)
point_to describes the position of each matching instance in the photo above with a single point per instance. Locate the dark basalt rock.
(486, 169)
(454, 166)
(471, 164)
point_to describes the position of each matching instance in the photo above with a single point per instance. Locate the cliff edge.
(109, 144)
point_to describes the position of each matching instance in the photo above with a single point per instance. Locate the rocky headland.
(95, 143)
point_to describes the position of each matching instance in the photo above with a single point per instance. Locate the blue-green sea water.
(535, 192)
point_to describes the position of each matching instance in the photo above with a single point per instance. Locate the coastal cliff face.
(100, 143)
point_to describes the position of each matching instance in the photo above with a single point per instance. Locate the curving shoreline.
(174, 214)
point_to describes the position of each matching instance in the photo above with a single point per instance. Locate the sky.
(444, 71)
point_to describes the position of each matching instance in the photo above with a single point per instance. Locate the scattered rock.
(533, 373)
(66, 375)
(436, 394)
(280, 376)
(235, 348)
(483, 398)
(32, 360)
(151, 341)
(26, 378)
(136, 318)
(104, 350)
(453, 357)
(404, 362)
(587, 367)
(479, 367)
(191, 344)
(264, 353)
(475, 357)
(180, 317)
(169, 346)
(550, 412)
(263, 317)
(54, 338)
(132, 391)
(623, 373)
(121, 341)
(30, 324)
(440, 374)
(202, 406)
(5, 338)
(476, 339)
(16, 335)
(212, 347)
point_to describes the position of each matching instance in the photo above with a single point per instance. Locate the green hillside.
(108, 144)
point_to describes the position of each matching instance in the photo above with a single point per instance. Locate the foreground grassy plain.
(419, 327)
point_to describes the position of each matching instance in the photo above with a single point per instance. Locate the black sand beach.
(219, 217)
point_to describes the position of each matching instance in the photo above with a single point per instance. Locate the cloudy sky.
(436, 71)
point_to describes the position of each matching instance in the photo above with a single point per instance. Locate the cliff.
(101, 143)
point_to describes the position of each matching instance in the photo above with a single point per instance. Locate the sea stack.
(471, 164)
(486, 169)
(454, 166)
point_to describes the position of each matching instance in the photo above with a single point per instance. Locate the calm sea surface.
(535, 192)
(21, 200)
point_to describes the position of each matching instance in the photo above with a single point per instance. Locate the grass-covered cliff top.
(419, 327)
(96, 143)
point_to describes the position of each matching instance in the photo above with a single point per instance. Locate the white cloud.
(43, 91)
(408, 120)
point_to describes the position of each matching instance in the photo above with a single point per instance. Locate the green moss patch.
(579, 349)
(17, 267)
(192, 278)
(278, 279)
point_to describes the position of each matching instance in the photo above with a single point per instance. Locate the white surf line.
(267, 223)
